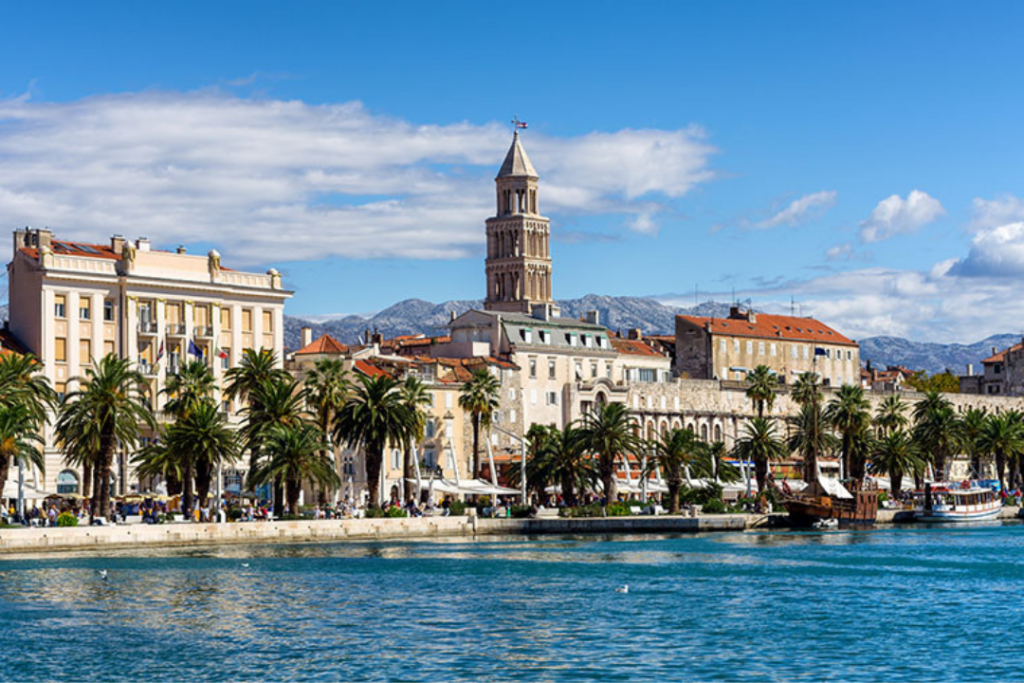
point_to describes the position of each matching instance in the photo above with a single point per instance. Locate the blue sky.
(863, 158)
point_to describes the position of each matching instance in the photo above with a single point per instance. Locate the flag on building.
(194, 350)
(221, 353)
(818, 351)
(160, 353)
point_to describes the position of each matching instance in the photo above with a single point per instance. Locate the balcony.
(175, 330)
(203, 330)
(147, 327)
(148, 369)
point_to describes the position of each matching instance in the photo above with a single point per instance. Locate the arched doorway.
(67, 482)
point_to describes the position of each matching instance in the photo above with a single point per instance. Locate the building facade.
(72, 303)
(728, 348)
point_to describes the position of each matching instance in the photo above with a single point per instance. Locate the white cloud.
(995, 252)
(802, 209)
(895, 215)
(840, 252)
(274, 180)
(991, 213)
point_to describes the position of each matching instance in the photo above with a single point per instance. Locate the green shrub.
(395, 512)
(521, 511)
(67, 519)
(458, 508)
(700, 496)
(621, 509)
(883, 498)
(291, 518)
(234, 514)
(714, 507)
(373, 513)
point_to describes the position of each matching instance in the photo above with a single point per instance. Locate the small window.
(773, 350)
(59, 306)
(85, 351)
(593, 369)
(246, 320)
(108, 347)
(551, 368)
(760, 348)
(60, 349)
(108, 311)
(268, 321)
(61, 389)
(578, 367)
(84, 309)
(721, 346)
(533, 368)
(526, 334)
(225, 358)
(552, 398)
(750, 348)
(225, 319)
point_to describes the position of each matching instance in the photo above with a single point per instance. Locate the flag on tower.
(521, 124)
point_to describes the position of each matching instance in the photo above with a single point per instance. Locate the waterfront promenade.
(184, 534)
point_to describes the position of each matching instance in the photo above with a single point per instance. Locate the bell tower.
(518, 257)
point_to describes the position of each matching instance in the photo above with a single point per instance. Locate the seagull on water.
(623, 589)
(103, 574)
(245, 565)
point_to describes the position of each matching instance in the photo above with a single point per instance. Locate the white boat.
(951, 503)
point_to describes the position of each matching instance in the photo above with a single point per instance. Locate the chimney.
(995, 350)
(594, 317)
(970, 370)
(751, 316)
(451, 317)
(736, 313)
(142, 244)
(44, 238)
(117, 243)
(181, 249)
(636, 333)
(541, 311)
(307, 336)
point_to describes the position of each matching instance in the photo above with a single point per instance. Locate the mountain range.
(415, 316)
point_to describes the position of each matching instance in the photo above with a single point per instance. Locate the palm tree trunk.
(761, 473)
(476, 446)
(97, 484)
(278, 494)
(5, 468)
(407, 474)
(568, 492)
(108, 443)
(86, 480)
(374, 458)
(673, 496)
(1001, 469)
(608, 478)
(896, 484)
(940, 465)
(204, 476)
(186, 496)
(292, 486)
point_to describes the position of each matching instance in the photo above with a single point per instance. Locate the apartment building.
(74, 302)
(728, 348)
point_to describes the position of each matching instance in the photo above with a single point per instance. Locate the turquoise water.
(903, 604)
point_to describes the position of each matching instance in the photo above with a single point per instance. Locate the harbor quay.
(137, 536)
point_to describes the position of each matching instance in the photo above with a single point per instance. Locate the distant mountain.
(882, 351)
(415, 316)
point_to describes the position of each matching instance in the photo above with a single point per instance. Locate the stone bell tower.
(518, 259)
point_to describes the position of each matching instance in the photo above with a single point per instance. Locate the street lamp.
(522, 461)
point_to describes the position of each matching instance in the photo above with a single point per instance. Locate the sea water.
(896, 604)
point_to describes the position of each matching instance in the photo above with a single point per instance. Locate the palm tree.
(201, 440)
(373, 416)
(279, 400)
(539, 463)
(193, 385)
(761, 444)
(20, 439)
(849, 414)
(608, 433)
(972, 424)
(298, 454)
(1003, 438)
(896, 454)
(937, 429)
(568, 462)
(479, 398)
(712, 464)
(255, 369)
(415, 397)
(761, 388)
(806, 389)
(891, 415)
(327, 385)
(675, 450)
(25, 399)
(810, 438)
(111, 399)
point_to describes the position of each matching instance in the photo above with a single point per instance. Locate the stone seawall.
(138, 535)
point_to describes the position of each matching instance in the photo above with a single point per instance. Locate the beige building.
(728, 348)
(72, 303)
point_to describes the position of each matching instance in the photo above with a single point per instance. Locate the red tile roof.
(326, 344)
(369, 370)
(1001, 356)
(769, 326)
(634, 347)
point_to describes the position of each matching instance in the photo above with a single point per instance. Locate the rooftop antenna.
(792, 305)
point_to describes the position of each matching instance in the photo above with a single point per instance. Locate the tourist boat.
(827, 498)
(965, 503)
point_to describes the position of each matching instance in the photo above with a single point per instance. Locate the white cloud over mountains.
(799, 210)
(277, 180)
(895, 215)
